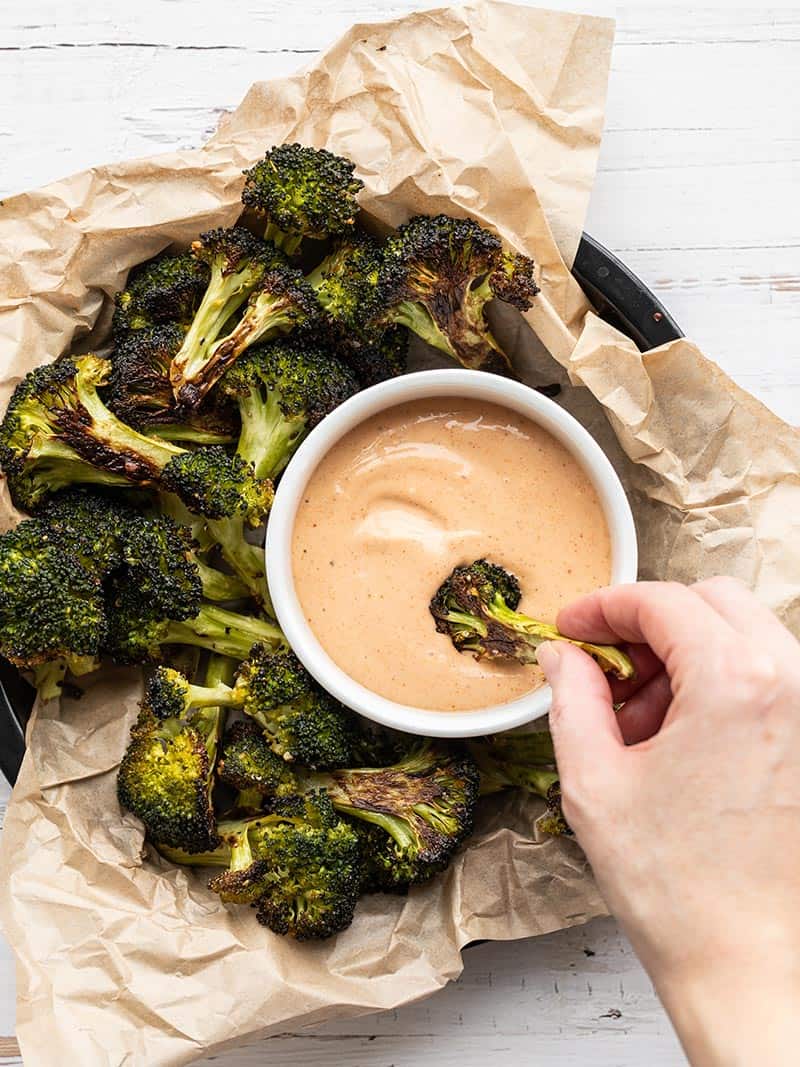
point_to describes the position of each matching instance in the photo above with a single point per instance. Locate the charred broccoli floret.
(167, 775)
(302, 722)
(347, 286)
(52, 616)
(476, 607)
(140, 392)
(249, 765)
(436, 276)
(522, 761)
(300, 865)
(425, 803)
(166, 289)
(58, 432)
(302, 192)
(377, 361)
(238, 260)
(138, 634)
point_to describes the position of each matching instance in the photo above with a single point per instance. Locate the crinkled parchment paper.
(495, 111)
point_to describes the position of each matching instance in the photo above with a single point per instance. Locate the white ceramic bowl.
(433, 383)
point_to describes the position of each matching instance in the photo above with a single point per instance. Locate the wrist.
(736, 1008)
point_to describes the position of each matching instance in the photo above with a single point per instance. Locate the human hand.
(687, 802)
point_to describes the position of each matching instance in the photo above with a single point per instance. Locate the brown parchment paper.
(495, 111)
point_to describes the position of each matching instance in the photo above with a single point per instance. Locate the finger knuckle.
(721, 583)
(755, 679)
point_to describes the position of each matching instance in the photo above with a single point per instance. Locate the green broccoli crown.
(166, 289)
(426, 802)
(377, 360)
(303, 192)
(139, 389)
(385, 868)
(248, 762)
(513, 280)
(136, 632)
(304, 724)
(436, 258)
(305, 379)
(168, 694)
(300, 864)
(106, 535)
(165, 780)
(51, 607)
(285, 299)
(232, 249)
(347, 284)
(218, 485)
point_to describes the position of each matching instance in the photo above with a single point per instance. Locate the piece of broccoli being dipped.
(476, 607)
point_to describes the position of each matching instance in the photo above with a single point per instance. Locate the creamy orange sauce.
(409, 494)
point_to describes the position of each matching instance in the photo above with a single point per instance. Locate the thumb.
(582, 719)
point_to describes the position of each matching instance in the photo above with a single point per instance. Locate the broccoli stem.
(419, 320)
(246, 560)
(287, 242)
(58, 466)
(218, 586)
(106, 427)
(175, 431)
(264, 319)
(535, 633)
(48, 678)
(225, 632)
(268, 437)
(225, 294)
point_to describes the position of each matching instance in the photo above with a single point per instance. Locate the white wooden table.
(697, 192)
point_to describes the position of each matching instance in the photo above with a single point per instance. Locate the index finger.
(671, 618)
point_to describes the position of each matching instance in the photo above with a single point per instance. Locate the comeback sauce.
(406, 496)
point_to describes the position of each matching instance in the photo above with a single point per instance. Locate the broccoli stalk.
(302, 193)
(476, 607)
(58, 431)
(238, 261)
(425, 803)
(137, 634)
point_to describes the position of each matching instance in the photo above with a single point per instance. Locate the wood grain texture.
(696, 191)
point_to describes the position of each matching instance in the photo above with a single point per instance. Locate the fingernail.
(549, 657)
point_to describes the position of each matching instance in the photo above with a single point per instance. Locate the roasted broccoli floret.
(377, 361)
(165, 290)
(167, 775)
(425, 803)
(522, 761)
(436, 276)
(302, 192)
(300, 865)
(238, 260)
(283, 390)
(281, 302)
(52, 615)
(476, 607)
(138, 634)
(346, 283)
(58, 432)
(302, 722)
(140, 392)
(249, 765)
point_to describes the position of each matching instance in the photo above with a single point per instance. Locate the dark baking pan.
(616, 293)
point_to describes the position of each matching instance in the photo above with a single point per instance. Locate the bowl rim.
(431, 384)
